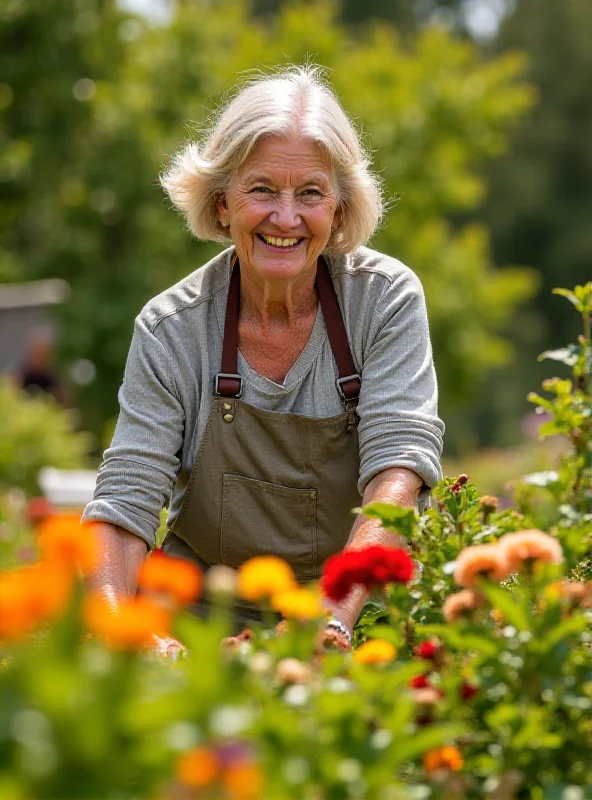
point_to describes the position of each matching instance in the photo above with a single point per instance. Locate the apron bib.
(268, 483)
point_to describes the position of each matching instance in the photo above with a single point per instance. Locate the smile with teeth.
(276, 241)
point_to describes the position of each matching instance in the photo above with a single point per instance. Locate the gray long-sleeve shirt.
(176, 351)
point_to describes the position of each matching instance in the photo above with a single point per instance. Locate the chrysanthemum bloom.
(481, 560)
(463, 603)
(375, 651)
(197, 768)
(63, 539)
(132, 625)
(170, 579)
(243, 781)
(529, 545)
(302, 604)
(447, 757)
(290, 670)
(488, 504)
(579, 594)
(370, 567)
(264, 576)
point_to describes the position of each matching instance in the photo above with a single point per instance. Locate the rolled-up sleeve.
(139, 468)
(398, 408)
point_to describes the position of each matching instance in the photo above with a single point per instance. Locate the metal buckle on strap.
(228, 375)
(339, 383)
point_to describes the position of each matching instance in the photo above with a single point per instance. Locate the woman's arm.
(120, 556)
(397, 485)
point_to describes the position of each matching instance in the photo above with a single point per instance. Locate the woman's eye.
(312, 193)
(262, 189)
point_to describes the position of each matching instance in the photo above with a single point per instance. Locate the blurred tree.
(84, 203)
(539, 206)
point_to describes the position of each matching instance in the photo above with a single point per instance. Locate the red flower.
(370, 567)
(468, 691)
(420, 682)
(428, 650)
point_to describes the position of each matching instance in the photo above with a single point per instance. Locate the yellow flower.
(197, 767)
(375, 651)
(264, 576)
(447, 757)
(298, 603)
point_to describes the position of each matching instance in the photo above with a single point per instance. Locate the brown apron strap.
(228, 383)
(348, 383)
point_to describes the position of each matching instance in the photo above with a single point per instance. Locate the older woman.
(286, 379)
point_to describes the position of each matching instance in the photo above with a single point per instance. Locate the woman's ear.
(338, 216)
(223, 213)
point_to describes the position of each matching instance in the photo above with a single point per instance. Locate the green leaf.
(569, 627)
(393, 518)
(426, 739)
(513, 610)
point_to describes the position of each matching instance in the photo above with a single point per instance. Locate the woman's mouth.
(280, 242)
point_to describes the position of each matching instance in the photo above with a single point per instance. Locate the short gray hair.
(291, 99)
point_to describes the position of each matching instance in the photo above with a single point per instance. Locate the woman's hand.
(169, 647)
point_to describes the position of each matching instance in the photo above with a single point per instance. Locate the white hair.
(294, 99)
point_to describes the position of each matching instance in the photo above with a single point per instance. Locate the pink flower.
(529, 545)
(461, 604)
(481, 560)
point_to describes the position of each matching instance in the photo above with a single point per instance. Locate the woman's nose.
(285, 214)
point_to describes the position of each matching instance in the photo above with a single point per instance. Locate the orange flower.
(175, 579)
(462, 603)
(375, 651)
(131, 625)
(264, 576)
(486, 560)
(197, 767)
(298, 603)
(243, 781)
(529, 545)
(31, 596)
(577, 593)
(443, 758)
(63, 539)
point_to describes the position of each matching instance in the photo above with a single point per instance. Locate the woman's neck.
(278, 303)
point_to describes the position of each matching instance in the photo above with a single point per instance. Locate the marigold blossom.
(174, 578)
(63, 539)
(197, 768)
(463, 603)
(375, 651)
(131, 625)
(372, 566)
(264, 576)
(447, 757)
(302, 604)
(529, 545)
(32, 595)
(243, 781)
(480, 560)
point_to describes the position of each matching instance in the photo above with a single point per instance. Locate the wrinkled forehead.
(297, 155)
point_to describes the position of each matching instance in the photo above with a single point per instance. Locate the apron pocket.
(260, 518)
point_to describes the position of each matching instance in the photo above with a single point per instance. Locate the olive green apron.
(272, 483)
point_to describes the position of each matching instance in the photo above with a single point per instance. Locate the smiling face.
(281, 207)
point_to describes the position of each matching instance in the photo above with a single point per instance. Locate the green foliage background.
(93, 100)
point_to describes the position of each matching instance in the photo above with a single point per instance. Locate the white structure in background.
(24, 308)
(67, 487)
